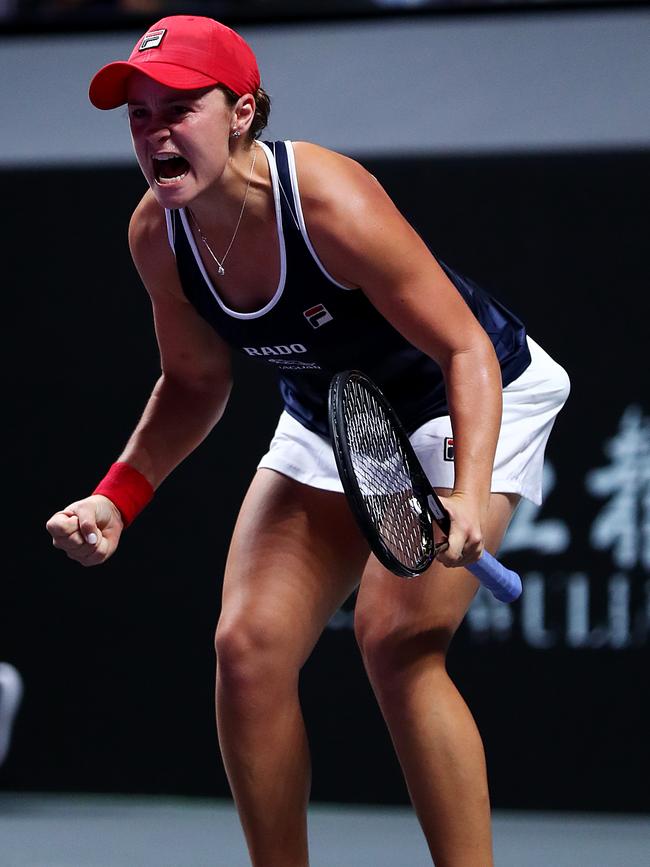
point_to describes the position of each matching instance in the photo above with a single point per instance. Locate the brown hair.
(262, 109)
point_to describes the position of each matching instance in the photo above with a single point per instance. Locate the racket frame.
(430, 505)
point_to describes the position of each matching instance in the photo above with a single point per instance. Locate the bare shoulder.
(331, 179)
(348, 214)
(147, 227)
(149, 245)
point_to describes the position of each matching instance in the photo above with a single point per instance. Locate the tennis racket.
(387, 488)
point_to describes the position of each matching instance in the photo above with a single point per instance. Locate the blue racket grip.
(503, 584)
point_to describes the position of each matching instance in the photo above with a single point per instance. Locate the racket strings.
(382, 470)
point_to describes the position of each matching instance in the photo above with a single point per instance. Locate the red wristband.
(127, 489)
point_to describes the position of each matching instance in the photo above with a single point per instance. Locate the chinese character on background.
(623, 524)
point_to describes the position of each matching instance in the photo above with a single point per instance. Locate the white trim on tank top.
(255, 314)
(293, 174)
(171, 230)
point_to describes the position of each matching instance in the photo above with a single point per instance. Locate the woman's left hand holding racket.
(463, 544)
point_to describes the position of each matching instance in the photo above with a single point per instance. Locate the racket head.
(381, 476)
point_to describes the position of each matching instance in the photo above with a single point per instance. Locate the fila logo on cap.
(152, 40)
(317, 316)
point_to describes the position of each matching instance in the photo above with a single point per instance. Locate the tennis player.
(297, 257)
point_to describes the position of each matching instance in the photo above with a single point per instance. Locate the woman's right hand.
(87, 530)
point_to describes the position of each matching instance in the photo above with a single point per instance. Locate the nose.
(157, 131)
(154, 128)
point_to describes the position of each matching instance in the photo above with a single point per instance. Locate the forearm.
(473, 382)
(176, 419)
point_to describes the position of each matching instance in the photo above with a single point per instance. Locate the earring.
(236, 133)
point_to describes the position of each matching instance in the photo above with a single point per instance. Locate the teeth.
(165, 156)
(170, 180)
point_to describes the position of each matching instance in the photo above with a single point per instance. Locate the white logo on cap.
(152, 40)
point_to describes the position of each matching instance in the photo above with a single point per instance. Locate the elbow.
(478, 353)
(212, 386)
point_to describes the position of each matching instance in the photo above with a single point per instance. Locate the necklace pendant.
(221, 270)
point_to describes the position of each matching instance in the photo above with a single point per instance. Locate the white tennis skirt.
(530, 405)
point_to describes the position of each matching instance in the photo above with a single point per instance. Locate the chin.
(172, 196)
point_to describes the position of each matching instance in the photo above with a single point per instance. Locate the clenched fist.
(88, 530)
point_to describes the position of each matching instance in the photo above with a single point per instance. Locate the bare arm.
(364, 241)
(187, 400)
(192, 391)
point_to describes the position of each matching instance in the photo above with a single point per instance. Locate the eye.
(179, 110)
(136, 113)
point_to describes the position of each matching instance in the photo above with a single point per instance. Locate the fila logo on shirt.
(448, 449)
(317, 316)
(152, 40)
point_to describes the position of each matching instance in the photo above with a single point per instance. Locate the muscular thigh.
(432, 605)
(295, 556)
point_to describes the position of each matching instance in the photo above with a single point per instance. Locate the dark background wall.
(118, 661)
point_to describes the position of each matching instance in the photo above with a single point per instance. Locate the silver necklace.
(234, 234)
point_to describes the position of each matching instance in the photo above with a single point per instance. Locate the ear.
(243, 113)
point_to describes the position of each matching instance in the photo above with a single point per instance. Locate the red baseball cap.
(185, 52)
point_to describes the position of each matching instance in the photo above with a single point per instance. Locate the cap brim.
(108, 89)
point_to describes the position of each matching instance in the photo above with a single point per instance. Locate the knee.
(392, 650)
(251, 656)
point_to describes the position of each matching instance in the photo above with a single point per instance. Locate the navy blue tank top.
(314, 327)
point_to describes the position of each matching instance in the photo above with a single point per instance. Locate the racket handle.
(503, 584)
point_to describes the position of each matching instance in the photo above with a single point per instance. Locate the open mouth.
(169, 168)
